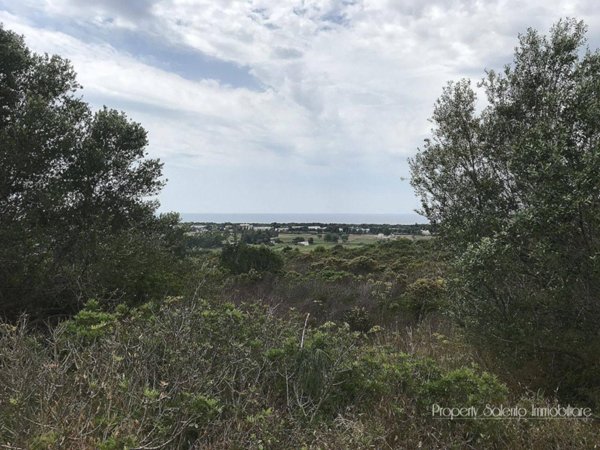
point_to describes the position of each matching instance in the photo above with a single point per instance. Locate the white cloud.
(347, 82)
(218, 123)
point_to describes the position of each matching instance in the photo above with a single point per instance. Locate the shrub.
(241, 258)
(197, 374)
(358, 319)
(423, 296)
(363, 265)
(463, 387)
(91, 322)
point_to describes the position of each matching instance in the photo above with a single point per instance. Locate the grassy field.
(354, 240)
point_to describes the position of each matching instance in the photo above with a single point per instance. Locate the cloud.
(119, 13)
(192, 117)
(314, 85)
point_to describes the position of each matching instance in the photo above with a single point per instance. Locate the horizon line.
(312, 212)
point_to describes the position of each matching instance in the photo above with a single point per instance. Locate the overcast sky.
(282, 106)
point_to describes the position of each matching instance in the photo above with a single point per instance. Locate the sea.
(268, 218)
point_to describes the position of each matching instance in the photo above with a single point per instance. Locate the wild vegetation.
(122, 331)
(516, 192)
(74, 214)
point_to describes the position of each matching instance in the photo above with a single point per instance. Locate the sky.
(278, 106)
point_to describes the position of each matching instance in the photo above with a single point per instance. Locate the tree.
(331, 237)
(72, 182)
(241, 258)
(515, 191)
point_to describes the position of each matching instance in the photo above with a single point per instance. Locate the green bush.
(363, 265)
(463, 387)
(423, 296)
(358, 319)
(91, 322)
(241, 258)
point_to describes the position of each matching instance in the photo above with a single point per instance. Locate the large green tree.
(515, 191)
(74, 189)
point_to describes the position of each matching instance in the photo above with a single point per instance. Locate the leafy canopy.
(71, 181)
(515, 191)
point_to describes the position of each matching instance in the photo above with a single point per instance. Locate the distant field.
(354, 240)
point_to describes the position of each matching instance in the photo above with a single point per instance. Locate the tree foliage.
(241, 258)
(74, 186)
(515, 190)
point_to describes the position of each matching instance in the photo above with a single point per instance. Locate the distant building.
(426, 232)
(246, 226)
